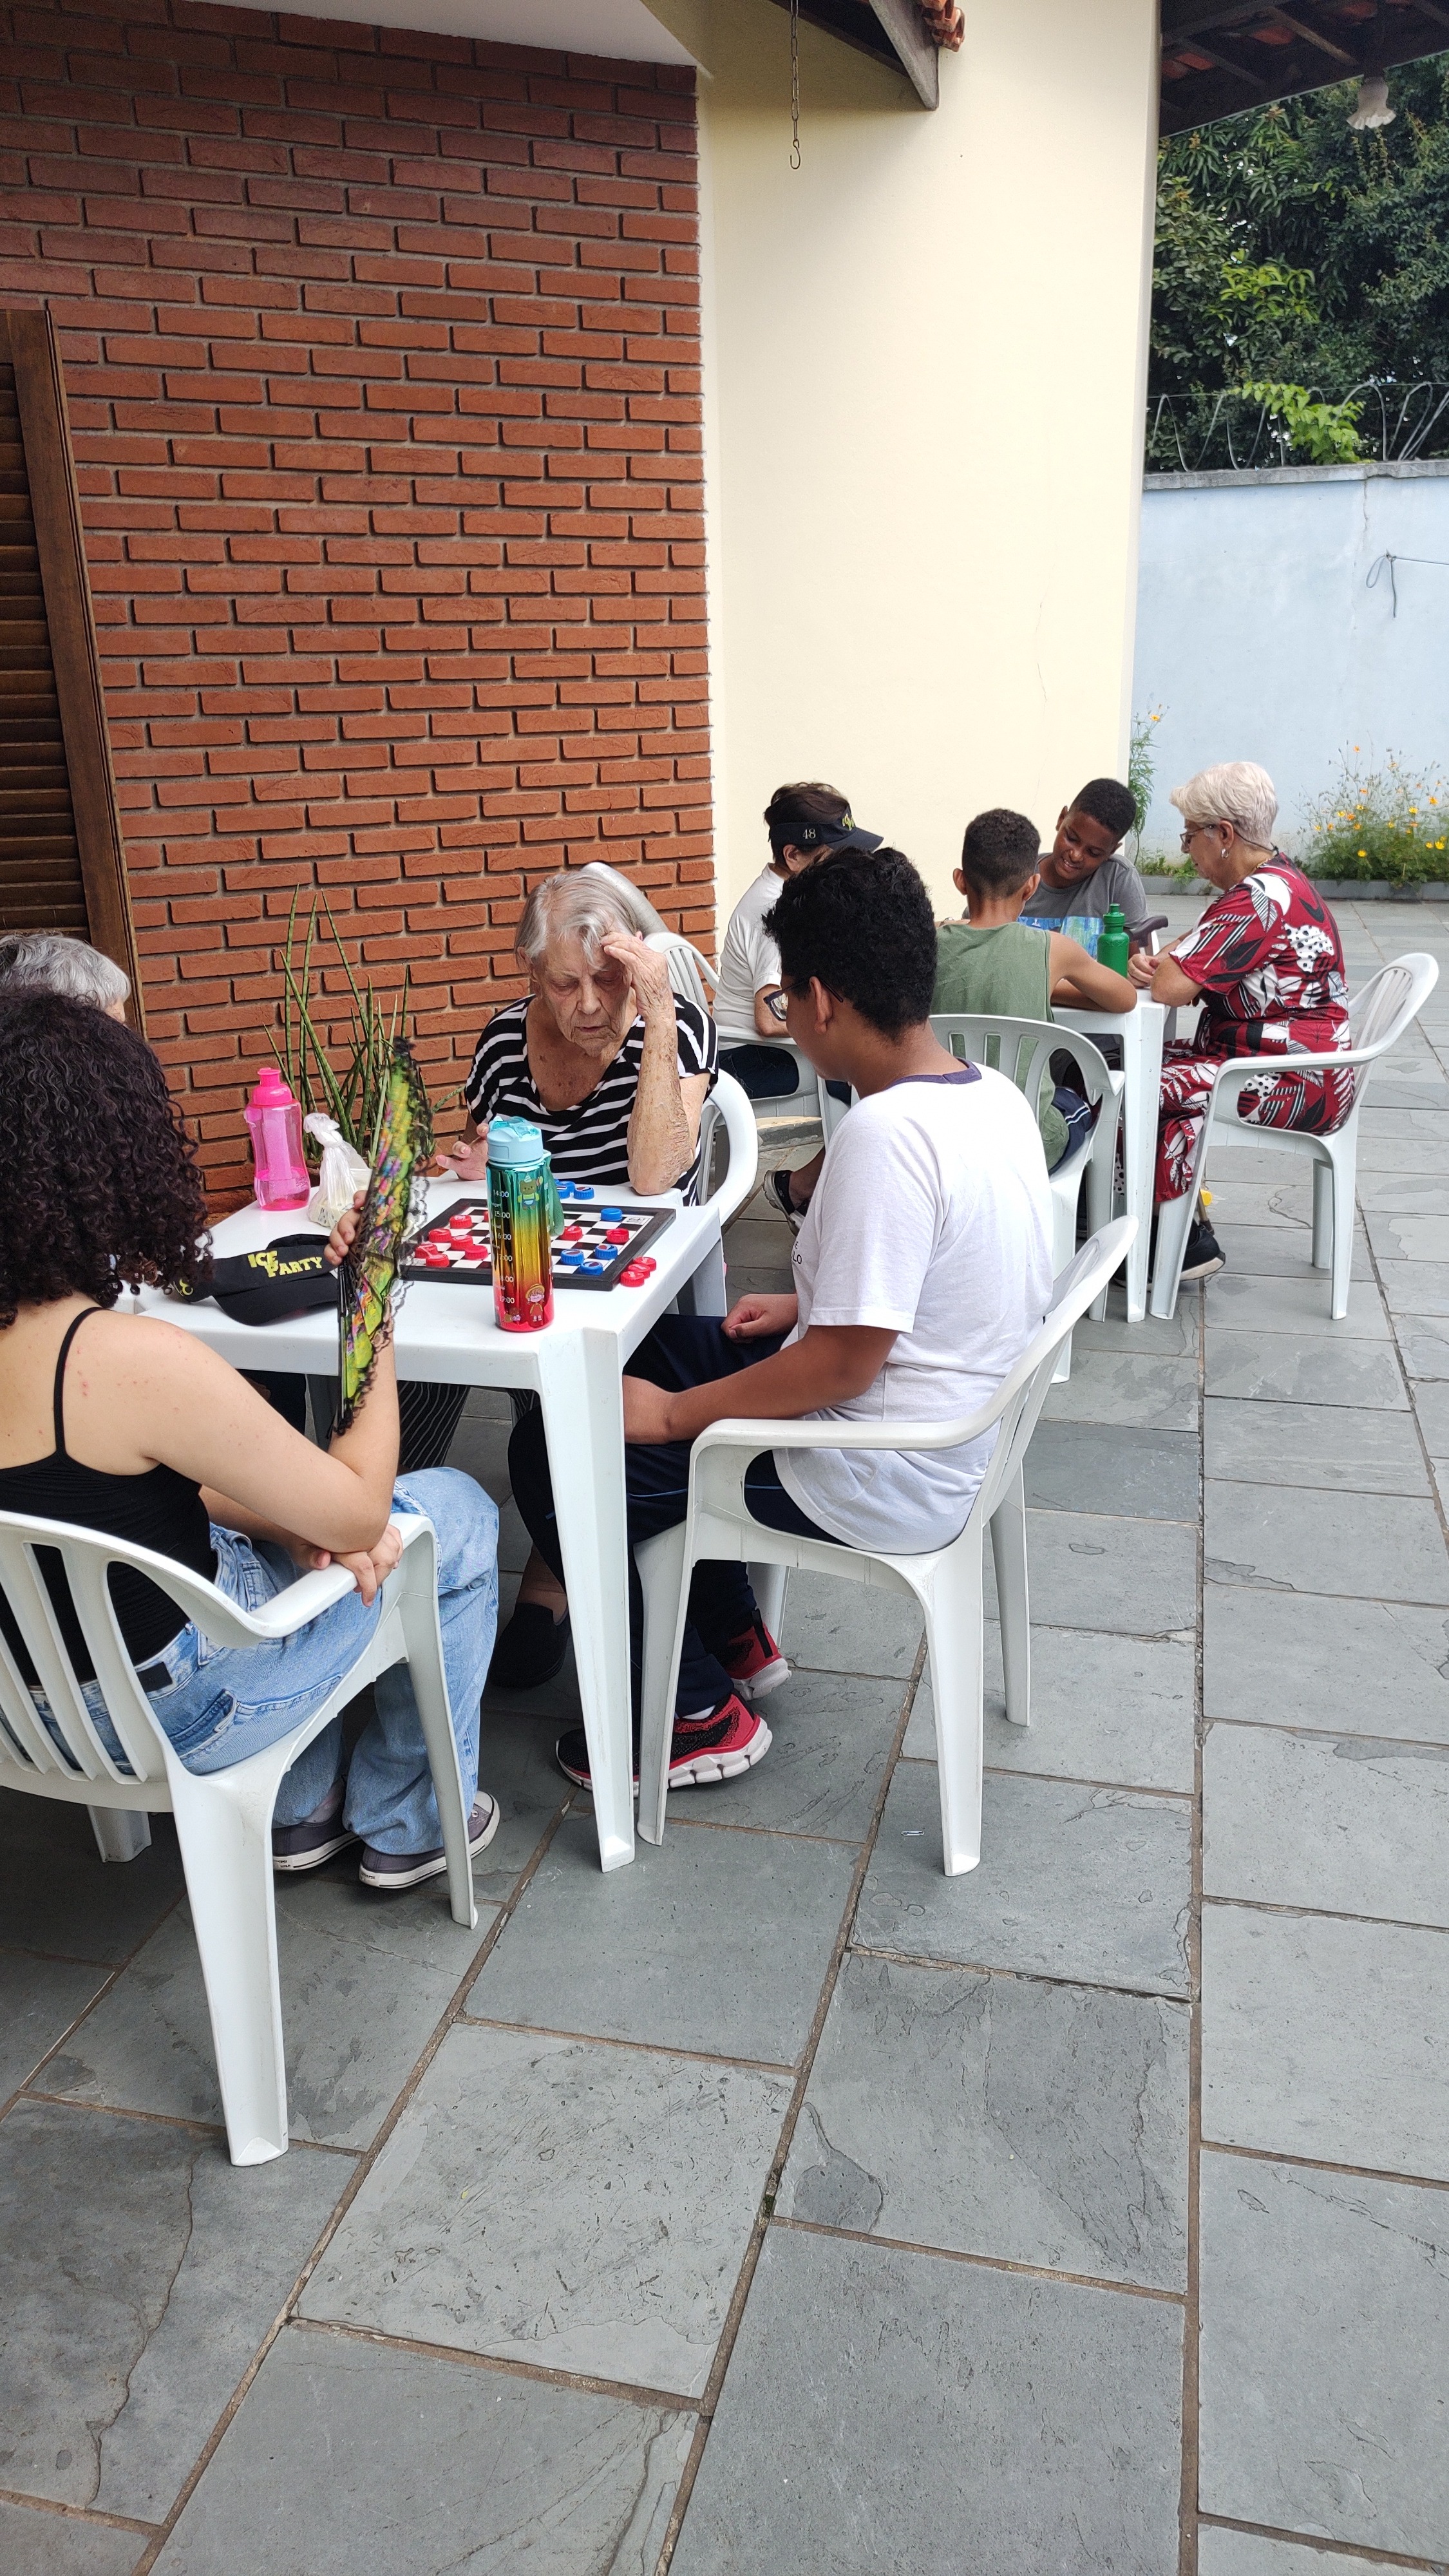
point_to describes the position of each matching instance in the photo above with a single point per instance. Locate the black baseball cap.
(843, 834)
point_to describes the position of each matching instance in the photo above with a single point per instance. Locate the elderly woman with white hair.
(614, 1068)
(1266, 962)
(50, 961)
(602, 1055)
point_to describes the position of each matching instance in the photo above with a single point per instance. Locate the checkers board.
(600, 1245)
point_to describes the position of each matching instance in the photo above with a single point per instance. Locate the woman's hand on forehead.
(647, 971)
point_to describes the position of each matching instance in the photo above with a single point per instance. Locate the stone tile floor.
(777, 2205)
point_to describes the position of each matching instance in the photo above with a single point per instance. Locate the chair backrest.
(26, 1743)
(728, 1113)
(691, 975)
(1381, 1010)
(638, 906)
(1025, 1392)
(1022, 1050)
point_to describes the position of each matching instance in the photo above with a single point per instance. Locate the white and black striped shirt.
(589, 1142)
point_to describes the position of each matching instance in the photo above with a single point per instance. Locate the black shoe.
(531, 1649)
(310, 1846)
(1204, 1253)
(397, 1871)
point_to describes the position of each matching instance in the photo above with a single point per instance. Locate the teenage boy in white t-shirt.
(922, 1271)
(803, 821)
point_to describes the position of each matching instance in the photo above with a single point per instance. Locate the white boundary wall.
(923, 414)
(1259, 633)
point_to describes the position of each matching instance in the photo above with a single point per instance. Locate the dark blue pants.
(768, 1073)
(682, 1351)
(1078, 1114)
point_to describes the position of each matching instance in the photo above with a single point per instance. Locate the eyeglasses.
(1194, 832)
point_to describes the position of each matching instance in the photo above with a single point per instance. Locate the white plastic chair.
(690, 974)
(729, 1112)
(807, 1100)
(1378, 1015)
(1022, 1050)
(223, 1820)
(946, 1581)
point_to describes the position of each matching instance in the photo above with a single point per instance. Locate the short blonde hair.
(1236, 792)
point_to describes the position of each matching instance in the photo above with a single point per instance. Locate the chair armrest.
(304, 1600)
(765, 1434)
(1246, 1068)
(311, 1594)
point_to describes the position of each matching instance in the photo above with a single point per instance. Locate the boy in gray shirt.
(1083, 871)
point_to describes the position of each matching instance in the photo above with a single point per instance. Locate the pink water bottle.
(275, 1120)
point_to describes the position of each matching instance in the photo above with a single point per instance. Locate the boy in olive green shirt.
(995, 965)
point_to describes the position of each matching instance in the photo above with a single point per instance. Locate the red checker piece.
(616, 1234)
(572, 1234)
(634, 1276)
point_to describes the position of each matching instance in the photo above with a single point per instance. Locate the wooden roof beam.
(890, 31)
(1298, 25)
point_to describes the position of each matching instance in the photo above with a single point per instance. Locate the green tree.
(1294, 252)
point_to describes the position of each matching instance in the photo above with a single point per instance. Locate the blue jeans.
(225, 1702)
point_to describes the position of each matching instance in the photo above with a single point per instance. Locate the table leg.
(704, 1292)
(1142, 1064)
(583, 1415)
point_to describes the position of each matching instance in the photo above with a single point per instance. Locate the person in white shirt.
(921, 1273)
(803, 821)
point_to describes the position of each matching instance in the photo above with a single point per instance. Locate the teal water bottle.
(523, 1215)
(1113, 944)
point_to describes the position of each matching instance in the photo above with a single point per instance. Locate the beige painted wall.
(924, 395)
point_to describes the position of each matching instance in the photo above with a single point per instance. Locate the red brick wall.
(382, 356)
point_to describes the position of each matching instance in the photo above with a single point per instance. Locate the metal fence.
(1203, 433)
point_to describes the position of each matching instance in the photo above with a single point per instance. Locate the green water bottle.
(1113, 945)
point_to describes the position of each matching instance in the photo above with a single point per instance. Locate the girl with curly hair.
(126, 1424)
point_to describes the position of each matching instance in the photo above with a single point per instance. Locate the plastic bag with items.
(343, 1172)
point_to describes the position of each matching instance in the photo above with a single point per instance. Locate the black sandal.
(531, 1650)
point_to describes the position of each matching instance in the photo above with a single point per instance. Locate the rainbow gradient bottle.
(524, 1214)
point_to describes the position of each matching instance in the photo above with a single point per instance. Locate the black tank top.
(159, 1510)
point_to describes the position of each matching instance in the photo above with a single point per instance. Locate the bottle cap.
(1114, 918)
(514, 1143)
(271, 1091)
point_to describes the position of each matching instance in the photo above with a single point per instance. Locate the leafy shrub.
(1307, 432)
(1142, 770)
(1390, 823)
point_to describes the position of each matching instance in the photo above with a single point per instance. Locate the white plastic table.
(448, 1336)
(1141, 1032)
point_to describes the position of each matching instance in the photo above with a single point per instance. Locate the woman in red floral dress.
(1266, 961)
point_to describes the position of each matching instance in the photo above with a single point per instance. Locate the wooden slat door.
(62, 858)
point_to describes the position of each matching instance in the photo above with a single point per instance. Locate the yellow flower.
(1363, 854)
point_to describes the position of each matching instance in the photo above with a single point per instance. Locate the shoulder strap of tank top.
(62, 1355)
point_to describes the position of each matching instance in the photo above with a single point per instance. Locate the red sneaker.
(718, 1746)
(754, 1663)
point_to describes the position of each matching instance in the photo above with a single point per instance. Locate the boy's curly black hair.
(861, 920)
(98, 1178)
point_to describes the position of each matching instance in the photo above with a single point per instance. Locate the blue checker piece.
(612, 1216)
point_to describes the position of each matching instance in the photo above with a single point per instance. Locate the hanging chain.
(794, 84)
